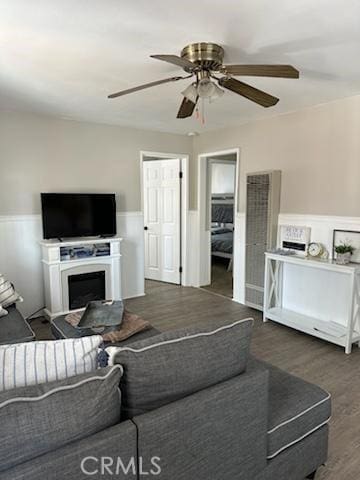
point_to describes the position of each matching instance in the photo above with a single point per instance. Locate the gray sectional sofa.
(194, 405)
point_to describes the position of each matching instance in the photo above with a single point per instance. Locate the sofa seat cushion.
(296, 409)
(14, 328)
(177, 363)
(41, 418)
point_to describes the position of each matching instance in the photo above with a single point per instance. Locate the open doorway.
(164, 189)
(221, 206)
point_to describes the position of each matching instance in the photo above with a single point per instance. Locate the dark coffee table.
(14, 328)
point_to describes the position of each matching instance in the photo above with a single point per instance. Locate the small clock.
(315, 249)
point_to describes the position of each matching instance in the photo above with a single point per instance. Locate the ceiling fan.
(204, 62)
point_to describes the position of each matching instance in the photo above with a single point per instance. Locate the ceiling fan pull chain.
(197, 115)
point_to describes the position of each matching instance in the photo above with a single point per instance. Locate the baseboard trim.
(135, 296)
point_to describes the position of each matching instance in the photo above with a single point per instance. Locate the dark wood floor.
(168, 307)
(221, 279)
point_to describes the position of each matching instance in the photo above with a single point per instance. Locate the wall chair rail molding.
(322, 226)
(20, 218)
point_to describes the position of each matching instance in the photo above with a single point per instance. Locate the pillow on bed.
(219, 230)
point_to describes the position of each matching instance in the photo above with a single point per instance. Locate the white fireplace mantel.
(57, 269)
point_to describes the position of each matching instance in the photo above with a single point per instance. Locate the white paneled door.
(162, 194)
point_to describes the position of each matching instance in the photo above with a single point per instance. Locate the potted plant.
(343, 253)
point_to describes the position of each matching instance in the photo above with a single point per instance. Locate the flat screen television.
(66, 215)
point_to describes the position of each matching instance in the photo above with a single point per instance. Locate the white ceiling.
(62, 57)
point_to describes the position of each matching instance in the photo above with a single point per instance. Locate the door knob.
(145, 228)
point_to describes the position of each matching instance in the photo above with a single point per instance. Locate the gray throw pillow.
(172, 365)
(37, 419)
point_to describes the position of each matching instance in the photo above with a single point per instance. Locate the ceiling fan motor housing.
(208, 56)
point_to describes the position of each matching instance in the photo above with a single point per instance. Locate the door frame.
(184, 205)
(204, 234)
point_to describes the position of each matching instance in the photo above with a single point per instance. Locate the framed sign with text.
(295, 238)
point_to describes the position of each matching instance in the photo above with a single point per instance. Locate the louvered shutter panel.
(262, 210)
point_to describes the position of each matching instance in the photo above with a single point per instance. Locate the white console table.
(326, 306)
(58, 267)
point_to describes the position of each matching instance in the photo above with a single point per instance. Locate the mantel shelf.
(86, 260)
(78, 241)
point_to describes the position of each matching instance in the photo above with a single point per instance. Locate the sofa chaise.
(195, 405)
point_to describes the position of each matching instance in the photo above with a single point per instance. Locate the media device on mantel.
(69, 215)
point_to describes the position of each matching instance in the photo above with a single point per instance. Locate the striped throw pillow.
(33, 363)
(8, 294)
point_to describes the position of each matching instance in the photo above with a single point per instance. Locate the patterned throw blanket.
(130, 325)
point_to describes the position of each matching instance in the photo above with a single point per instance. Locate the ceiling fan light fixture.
(218, 92)
(190, 93)
(205, 88)
(208, 89)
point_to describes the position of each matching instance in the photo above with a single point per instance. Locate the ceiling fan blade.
(283, 71)
(175, 60)
(186, 109)
(251, 93)
(145, 85)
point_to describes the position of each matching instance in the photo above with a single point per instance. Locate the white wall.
(317, 149)
(46, 154)
(20, 258)
(222, 177)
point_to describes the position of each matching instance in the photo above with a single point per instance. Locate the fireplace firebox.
(86, 287)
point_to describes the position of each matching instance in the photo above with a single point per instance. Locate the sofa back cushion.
(172, 365)
(25, 364)
(216, 434)
(41, 418)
